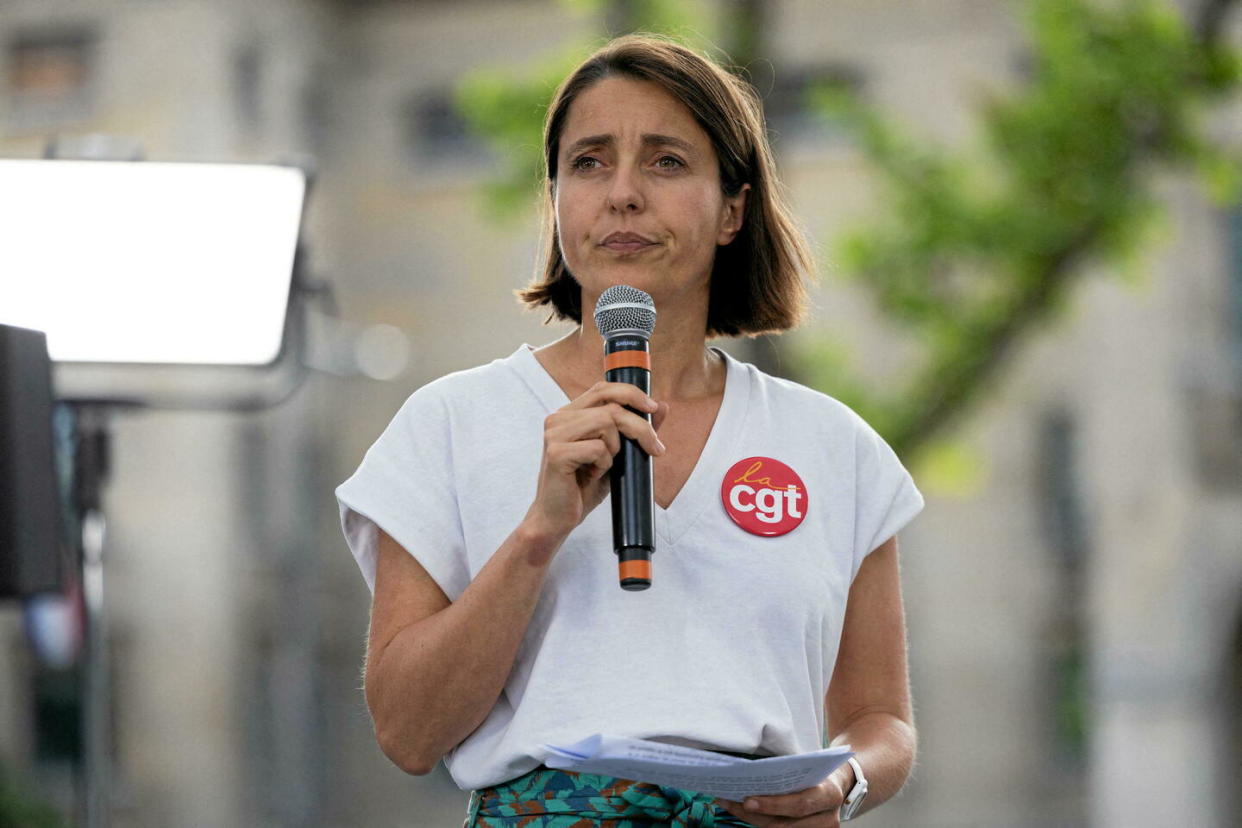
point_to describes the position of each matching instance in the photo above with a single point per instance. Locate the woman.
(498, 624)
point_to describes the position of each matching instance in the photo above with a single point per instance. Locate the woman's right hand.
(579, 442)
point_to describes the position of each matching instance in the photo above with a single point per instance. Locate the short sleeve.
(886, 498)
(405, 486)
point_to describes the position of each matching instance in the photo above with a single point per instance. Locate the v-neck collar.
(701, 488)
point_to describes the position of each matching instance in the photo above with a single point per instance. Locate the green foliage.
(952, 468)
(663, 16)
(508, 109)
(975, 248)
(828, 363)
(19, 810)
(508, 112)
(1072, 695)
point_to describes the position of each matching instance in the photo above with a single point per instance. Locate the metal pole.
(90, 472)
(98, 704)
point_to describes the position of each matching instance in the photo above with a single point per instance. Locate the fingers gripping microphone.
(625, 317)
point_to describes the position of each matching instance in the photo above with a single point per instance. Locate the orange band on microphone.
(628, 359)
(636, 569)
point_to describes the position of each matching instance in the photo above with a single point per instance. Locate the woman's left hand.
(817, 807)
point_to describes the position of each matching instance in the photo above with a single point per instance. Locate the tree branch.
(949, 386)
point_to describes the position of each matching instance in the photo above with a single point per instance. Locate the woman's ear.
(731, 215)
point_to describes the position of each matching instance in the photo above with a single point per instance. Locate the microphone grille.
(622, 307)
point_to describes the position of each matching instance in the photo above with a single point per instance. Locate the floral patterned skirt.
(547, 798)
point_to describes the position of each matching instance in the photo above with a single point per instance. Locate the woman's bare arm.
(868, 700)
(435, 668)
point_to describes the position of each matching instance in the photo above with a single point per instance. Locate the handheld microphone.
(625, 317)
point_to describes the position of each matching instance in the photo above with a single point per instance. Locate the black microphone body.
(625, 318)
(633, 486)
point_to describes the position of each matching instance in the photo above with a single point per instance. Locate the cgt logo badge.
(764, 496)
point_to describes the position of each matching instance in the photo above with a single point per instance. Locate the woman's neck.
(682, 366)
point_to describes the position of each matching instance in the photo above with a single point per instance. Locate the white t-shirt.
(733, 645)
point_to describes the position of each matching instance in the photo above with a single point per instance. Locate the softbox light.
(147, 262)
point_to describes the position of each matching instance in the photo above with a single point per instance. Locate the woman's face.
(633, 160)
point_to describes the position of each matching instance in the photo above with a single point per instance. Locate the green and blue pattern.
(547, 798)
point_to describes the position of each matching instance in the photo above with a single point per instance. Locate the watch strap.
(853, 800)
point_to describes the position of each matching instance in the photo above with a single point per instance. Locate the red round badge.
(764, 496)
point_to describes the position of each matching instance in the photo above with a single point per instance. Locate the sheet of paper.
(714, 774)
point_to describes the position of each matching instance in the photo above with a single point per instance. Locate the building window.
(1230, 771)
(790, 113)
(316, 112)
(435, 132)
(1066, 535)
(1024, 65)
(1234, 227)
(248, 87)
(50, 76)
(1216, 409)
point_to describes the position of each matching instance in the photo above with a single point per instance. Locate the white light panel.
(148, 262)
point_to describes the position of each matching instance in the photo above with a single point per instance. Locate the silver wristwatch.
(854, 799)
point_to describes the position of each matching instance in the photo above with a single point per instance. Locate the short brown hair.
(758, 279)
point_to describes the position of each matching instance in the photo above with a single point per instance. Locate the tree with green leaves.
(980, 247)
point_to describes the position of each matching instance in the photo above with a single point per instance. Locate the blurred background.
(1030, 281)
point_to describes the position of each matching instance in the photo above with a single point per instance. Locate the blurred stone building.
(1103, 538)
